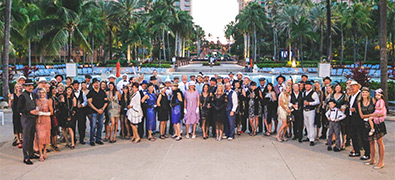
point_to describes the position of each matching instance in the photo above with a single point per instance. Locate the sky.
(213, 15)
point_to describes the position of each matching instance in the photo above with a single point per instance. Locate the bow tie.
(124, 81)
(333, 110)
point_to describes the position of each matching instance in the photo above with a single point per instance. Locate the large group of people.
(222, 107)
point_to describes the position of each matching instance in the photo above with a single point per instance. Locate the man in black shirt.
(27, 108)
(97, 100)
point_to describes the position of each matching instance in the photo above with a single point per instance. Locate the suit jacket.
(355, 118)
(277, 88)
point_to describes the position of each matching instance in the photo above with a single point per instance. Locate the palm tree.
(288, 20)
(137, 36)
(6, 48)
(383, 48)
(251, 19)
(317, 16)
(356, 21)
(328, 30)
(159, 23)
(60, 25)
(183, 28)
(199, 34)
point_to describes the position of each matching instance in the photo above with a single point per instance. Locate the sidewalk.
(245, 157)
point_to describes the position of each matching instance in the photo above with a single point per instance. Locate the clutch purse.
(290, 118)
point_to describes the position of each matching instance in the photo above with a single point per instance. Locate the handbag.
(290, 118)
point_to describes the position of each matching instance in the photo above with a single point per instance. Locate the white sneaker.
(230, 138)
(187, 136)
(193, 136)
(224, 137)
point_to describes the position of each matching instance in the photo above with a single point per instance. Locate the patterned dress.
(43, 125)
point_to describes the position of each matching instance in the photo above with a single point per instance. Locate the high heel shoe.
(378, 167)
(369, 163)
(136, 141)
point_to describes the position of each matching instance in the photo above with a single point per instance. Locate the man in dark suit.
(143, 92)
(278, 89)
(27, 109)
(262, 85)
(357, 124)
(296, 103)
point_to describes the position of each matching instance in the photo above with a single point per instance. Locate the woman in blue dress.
(176, 113)
(150, 99)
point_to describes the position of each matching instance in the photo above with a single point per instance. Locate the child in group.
(334, 117)
(380, 111)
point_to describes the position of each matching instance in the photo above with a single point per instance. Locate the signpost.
(71, 69)
(324, 70)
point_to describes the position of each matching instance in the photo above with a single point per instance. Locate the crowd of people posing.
(221, 106)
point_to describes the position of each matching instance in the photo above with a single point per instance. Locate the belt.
(308, 109)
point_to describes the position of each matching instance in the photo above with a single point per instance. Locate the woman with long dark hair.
(68, 109)
(114, 110)
(205, 100)
(16, 117)
(135, 112)
(124, 102)
(241, 98)
(271, 98)
(52, 95)
(254, 96)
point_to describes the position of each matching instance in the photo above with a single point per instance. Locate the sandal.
(55, 148)
(178, 138)
(162, 137)
(135, 142)
(151, 139)
(72, 147)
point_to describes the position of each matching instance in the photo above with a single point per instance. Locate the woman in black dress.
(163, 111)
(218, 104)
(70, 103)
(205, 100)
(241, 99)
(271, 99)
(52, 94)
(254, 96)
(124, 102)
(366, 109)
(16, 117)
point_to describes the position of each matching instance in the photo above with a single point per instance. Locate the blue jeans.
(96, 119)
(230, 125)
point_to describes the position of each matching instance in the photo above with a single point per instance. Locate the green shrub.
(391, 88)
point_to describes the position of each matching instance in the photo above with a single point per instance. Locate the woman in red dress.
(43, 124)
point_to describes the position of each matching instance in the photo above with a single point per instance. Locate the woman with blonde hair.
(318, 109)
(16, 117)
(218, 105)
(283, 111)
(43, 123)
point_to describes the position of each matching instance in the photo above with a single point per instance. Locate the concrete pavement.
(245, 157)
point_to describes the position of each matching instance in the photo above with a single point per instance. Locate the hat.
(230, 73)
(226, 78)
(327, 77)
(53, 79)
(304, 75)
(111, 76)
(75, 82)
(167, 80)
(354, 83)
(239, 73)
(213, 79)
(152, 78)
(253, 83)
(365, 89)
(191, 83)
(94, 80)
(280, 76)
(379, 91)
(59, 76)
(309, 83)
(219, 77)
(247, 77)
(192, 75)
(144, 82)
(42, 79)
(262, 79)
(21, 77)
(199, 75)
(28, 82)
(124, 74)
(161, 86)
(86, 76)
(174, 85)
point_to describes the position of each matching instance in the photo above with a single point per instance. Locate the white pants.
(309, 117)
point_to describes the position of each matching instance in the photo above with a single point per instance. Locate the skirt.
(43, 130)
(379, 131)
(176, 114)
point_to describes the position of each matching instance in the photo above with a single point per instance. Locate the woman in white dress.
(135, 113)
(282, 111)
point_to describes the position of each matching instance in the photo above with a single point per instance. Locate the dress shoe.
(294, 138)
(15, 143)
(27, 161)
(82, 142)
(35, 157)
(363, 158)
(92, 143)
(99, 142)
(312, 143)
(300, 141)
(336, 149)
(354, 154)
(329, 148)
(306, 140)
(322, 137)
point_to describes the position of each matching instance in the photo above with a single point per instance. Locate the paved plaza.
(245, 157)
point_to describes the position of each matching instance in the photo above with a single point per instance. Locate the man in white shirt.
(122, 82)
(311, 101)
(231, 107)
(199, 83)
(183, 85)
